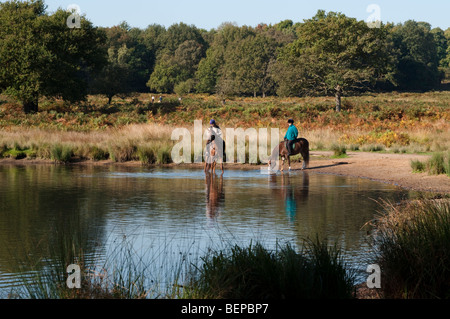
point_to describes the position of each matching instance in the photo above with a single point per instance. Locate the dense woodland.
(329, 54)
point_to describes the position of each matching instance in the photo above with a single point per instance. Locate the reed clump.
(412, 241)
(438, 164)
(255, 272)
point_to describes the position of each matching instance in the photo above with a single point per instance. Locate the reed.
(61, 153)
(412, 242)
(417, 166)
(439, 163)
(339, 151)
(255, 272)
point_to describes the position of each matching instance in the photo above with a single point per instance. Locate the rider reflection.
(292, 194)
(214, 194)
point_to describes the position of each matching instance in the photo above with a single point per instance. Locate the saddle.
(293, 143)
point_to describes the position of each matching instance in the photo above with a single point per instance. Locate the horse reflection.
(214, 194)
(292, 193)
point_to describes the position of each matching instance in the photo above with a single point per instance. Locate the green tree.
(41, 55)
(210, 69)
(441, 46)
(335, 54)
(163, 78)
(139, 59)
(116, 76)
(181, 49)
(247, 63)
(418, 59)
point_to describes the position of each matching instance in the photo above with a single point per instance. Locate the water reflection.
(214, 194)
(167, 207)
(294, 193)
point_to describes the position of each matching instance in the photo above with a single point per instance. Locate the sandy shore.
(388, 168)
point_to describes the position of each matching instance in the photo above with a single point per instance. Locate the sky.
(209, 14)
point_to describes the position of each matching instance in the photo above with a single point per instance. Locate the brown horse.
(300, 146)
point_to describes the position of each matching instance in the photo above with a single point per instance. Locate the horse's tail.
(305, 152)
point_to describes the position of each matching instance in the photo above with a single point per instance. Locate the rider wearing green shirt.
(291, 135)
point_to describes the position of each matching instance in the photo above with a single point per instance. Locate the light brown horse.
(301, 146)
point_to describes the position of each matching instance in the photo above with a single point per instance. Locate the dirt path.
(390, 168)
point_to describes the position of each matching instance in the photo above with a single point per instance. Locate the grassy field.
(135, 129)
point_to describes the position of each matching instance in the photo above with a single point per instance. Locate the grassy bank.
(412, 242)
(136, 129)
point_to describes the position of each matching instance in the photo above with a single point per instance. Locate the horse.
(216, 155)
(300, 146)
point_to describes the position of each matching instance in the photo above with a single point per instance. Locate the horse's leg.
(289, 162)
(305, 159)
(282, 163)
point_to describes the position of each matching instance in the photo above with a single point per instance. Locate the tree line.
(329, 54)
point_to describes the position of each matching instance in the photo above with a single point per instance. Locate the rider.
(215, 134)
(291, 135)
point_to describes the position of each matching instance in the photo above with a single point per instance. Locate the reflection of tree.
(214, 194)
(43, 207)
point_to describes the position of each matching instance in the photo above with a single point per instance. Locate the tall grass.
(388, 121)
(252, 272)
(120, 273)
(439, 163)
(61, 153)
(339, 151)
(256, 273)
(412, 241)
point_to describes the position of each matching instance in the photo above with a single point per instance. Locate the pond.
(168, 212)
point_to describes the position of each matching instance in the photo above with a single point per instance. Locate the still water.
(167, 212)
